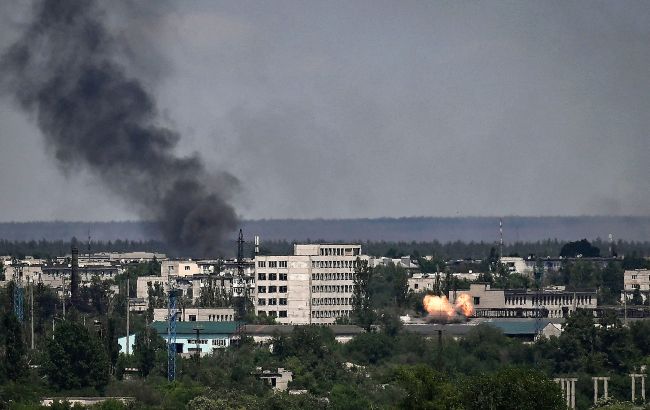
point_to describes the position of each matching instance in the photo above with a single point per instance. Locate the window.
(283, 289)
(261, 264)
(273, 264)
(192, 318)
(282, 264)
(477, 300)
(273, 276)
(416, 286)
(273, 289)
(261, 313)
(283, 301)
(633, 276)
(273, 302)
(261, 289)
(283, 276)
(187, 268)
(261, 276)
(272, 313)
(636, 286)
(283, 313)
(261, 302)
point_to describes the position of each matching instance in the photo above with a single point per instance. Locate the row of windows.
(332, 276)
(273, 313)
(272, 264)
(330, 313)
(332, 288)
(548, 300)
(331, 301)
(272, 301)
(211, 318)
(271, 276)
(339, 251)
(272, 289)
(637, 277)
(334, 264)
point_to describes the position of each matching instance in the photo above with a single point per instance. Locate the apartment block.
(314, 285)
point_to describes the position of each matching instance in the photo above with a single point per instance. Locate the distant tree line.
(456, 250)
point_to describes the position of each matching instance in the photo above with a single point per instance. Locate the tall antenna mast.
(243, 302)
(500, 239)
(240, 255)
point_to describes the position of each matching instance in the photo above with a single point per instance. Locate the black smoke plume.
(64, 71)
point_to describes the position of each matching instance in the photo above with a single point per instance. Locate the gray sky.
(366, 109)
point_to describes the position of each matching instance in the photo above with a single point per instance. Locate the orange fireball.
(464, 304)
(438, 306)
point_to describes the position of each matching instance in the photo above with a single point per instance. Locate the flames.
(439, 307)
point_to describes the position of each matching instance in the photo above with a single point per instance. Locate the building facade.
(557, 301)
(314, 285)
(636, 280)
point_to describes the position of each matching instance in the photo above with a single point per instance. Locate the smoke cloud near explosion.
(63, 71)
(441, 310)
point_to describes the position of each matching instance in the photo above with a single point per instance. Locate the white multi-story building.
(314, 285)
(633, 280)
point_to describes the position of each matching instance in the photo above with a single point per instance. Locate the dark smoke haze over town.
(333, 110)
(63, 71)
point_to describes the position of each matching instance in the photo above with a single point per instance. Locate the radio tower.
(171, 326)
(500, 239)
(18, 289)
(243, 302)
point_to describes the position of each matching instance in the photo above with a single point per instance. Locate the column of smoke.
(440, 310)
(63, 72)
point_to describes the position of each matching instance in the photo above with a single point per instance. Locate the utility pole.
(127, 313)
(198, 329)
(31, 297)
(63, 297)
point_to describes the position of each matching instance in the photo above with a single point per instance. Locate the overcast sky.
(367, 109)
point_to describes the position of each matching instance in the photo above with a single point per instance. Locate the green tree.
(146, 347)
(15, 363)
(76, 358)
(581, 248)
(426, 389)
(346, 397)
(362, 298)
(512, 388)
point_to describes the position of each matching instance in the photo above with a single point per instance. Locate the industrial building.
(555, 302)
(211, 336)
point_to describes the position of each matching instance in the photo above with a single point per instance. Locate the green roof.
(183, 328)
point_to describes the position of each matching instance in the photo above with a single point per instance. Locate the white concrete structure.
(515, 264)
(193, 314)
(422, 282)
(277, 380)
(633, 280)
(314, 285)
